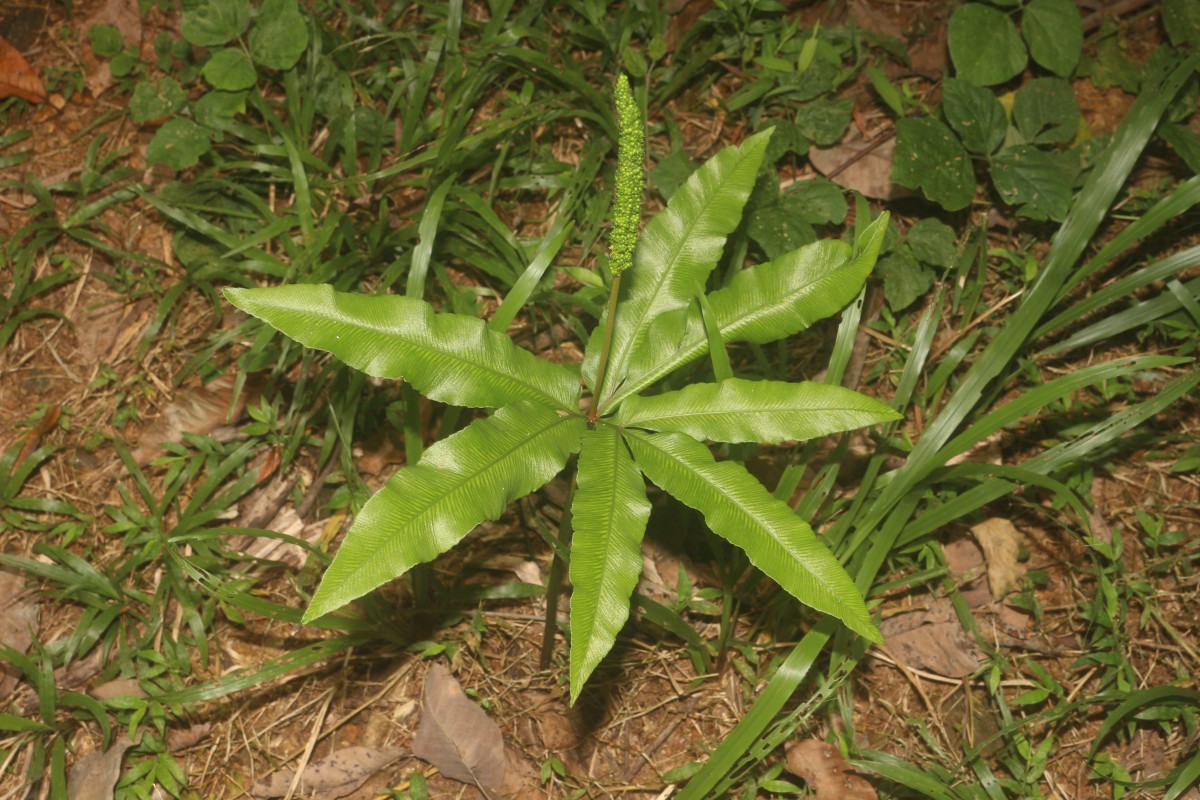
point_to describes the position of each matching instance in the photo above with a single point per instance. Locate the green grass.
(400, 154)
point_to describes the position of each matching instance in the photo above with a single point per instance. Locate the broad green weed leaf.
(1045, 111)
(984, 45)
(460, 481)
(153, 100)
(677, 250)
(213, 22)
(280, 35)
(825, 120)
(738, 410)
(450, 358)
(106, 41)
(933, 242)
(230, 70)
(609, 515)
(1111, 66)
(1185, 143)
(904, 279)
(975, 115)
(217, 110)
(765, 303)
(787, 138)
(1181, 18)
(817, 201)
(178, 144)
(1033, 180)
(777, 228)
(737, 507)
(929, 157)
(1053, 30)
(670, 172)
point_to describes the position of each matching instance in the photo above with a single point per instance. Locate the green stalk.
(593, 408)
(554, 580)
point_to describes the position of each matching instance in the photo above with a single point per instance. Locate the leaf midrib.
(427, 352)
(746, 513)
(621, 358)
(699, 341)
(740, 412)
(468, 479)
(605, 583)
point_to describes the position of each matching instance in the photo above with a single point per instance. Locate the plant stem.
(554, 582)
(593, 407)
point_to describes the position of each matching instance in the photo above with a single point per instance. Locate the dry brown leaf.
(201, 410)
(263, 505)
(17, 626)
(932, 640)
(121, 687)
(826, 772)
(525, 570)
(93, 776)
(332, 777)
(964, 559)
(188, 737)
(521, 780)
(44, 426)
(660, 569)
(17, 78)
(870, 172)
(869, 19)
(1001, 543)
(380, 456)
(927, 55)
(456, 736)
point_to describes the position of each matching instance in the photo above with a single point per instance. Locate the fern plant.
(658, 321)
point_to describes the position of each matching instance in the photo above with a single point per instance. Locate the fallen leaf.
(93, 776)
(335, 776)
(288, 523)
(869, 19)
(201, 410)
(263, 506)
(826, 772)
(859, 165)
(988, 451)
(684, 14)
(456, 736)
(269, 463)
(188, 737)
(17, 78)
(44, 426)
(121, 687)
(932, 640)
(17, 626)
(521, 780)
(964, 560)
(1001, 543)
(927, 55)
(380, 455)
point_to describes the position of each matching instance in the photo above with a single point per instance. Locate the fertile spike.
(627, 197)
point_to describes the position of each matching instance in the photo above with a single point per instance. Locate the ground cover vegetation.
(835, 364)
